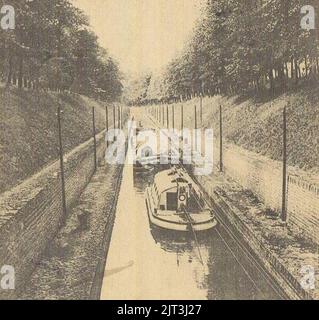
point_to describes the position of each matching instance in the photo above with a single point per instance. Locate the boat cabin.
(174, 190)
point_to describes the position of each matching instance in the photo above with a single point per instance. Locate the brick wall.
(229, 216)
(303, 205)
(31, 213)
(264, 178)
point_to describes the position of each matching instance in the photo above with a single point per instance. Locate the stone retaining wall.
(31, 213)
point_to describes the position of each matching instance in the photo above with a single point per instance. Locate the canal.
(148, 263)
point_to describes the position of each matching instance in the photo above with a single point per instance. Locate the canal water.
(146, 263)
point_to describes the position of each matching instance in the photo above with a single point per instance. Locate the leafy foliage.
(243, 47)
(52, 48)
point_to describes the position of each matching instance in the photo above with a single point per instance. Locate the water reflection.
(172, 242)
(168, 265)
(214, 263)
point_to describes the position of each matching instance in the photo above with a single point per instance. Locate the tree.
(52, 48)
(245, 47)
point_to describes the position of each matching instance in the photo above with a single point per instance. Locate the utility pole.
(114, 122)
(173, 110)
(122, 121)
(284, 180)
(94, 139)
(167, 116)
(107, 123)
(118, 118)
(64, 211)
(196, 126)
(221, 165)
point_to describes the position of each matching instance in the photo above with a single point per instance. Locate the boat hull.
(163, 223)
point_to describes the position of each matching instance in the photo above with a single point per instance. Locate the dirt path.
(68, 267)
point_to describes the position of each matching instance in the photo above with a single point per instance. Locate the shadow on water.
(223, 272)
(224, 277)
(171, 241)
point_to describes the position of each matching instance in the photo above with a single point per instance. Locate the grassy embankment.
(257, 126)
(28, 130)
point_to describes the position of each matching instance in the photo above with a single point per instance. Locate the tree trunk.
(292, 68)
(20, 76)
(271, 79)
(10, 74)
(281, 77)
(296, 72)
(287, 72)
(14, 79)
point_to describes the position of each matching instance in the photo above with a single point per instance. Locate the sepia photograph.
(159, 150)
